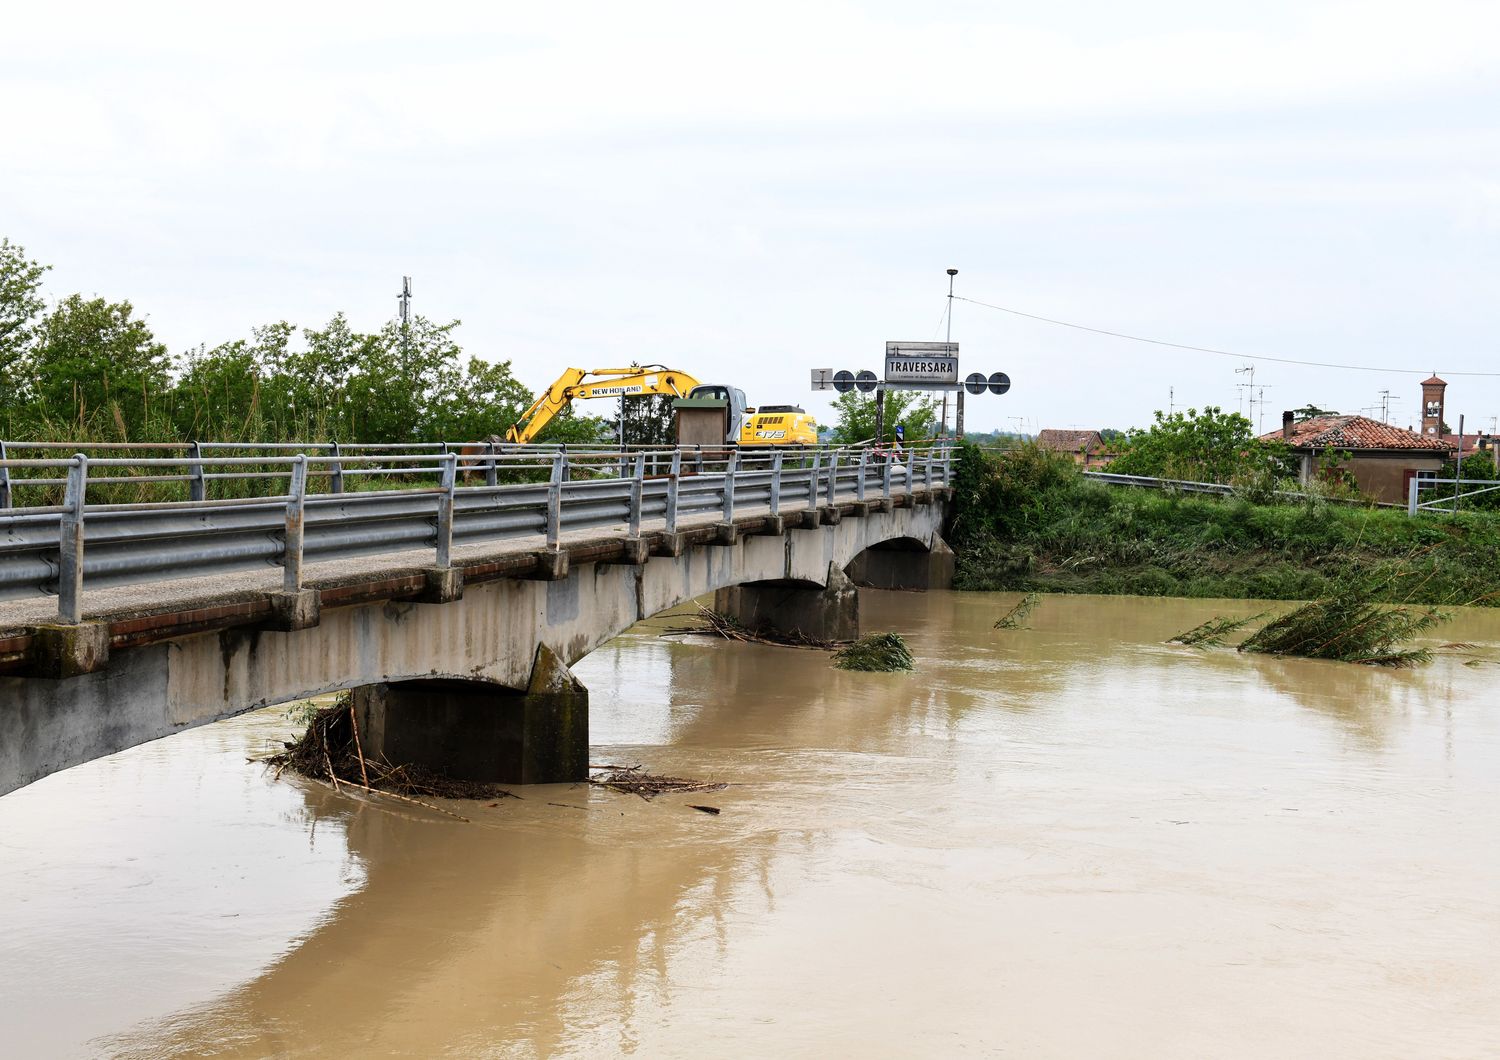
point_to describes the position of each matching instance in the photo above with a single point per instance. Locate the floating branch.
(1214, 632)
(1013, 618)
(633, 780)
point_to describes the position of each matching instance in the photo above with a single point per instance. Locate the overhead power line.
(1210, 349)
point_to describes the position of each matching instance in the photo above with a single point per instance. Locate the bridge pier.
(827, 612)
(904, 564)
(474, 730)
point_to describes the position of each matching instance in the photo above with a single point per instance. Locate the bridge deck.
(142, 613)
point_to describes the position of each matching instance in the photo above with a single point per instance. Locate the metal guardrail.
(56, 549)
(1450, 501)
(1147, 482)
(1218, 488)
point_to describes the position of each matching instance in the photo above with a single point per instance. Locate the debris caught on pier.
(1214, 632)
(879, 653)
(1013, 618)
(633, 780)
(330, 751)
(716, 624)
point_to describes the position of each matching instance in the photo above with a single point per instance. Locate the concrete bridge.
(457, 653)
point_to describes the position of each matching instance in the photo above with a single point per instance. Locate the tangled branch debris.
(1013, 618)
(1350, 627)
(330, 751)
(1214, 632)
(632, 780)
(1346, 626)
(879, 652)
(714, 624)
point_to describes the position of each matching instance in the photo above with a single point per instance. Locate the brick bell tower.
(1432, 406)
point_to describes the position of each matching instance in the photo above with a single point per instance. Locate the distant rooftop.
(1355, 432)
(1070, 441)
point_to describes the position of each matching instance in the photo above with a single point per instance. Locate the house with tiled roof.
(1381, 458)
(1085, 447)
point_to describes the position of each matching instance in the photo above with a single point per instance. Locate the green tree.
(21, 305)
(1208, 446)
(915, 411)
(96, 368)
(649, 420)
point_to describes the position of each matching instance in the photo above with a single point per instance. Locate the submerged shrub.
(880, 652)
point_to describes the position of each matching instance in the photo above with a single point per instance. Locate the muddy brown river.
(1068, 841)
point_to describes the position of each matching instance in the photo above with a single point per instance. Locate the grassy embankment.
(1027, 520)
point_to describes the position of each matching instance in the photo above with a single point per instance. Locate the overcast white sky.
(750, 191)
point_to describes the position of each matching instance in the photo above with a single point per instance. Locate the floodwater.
(1067, 841)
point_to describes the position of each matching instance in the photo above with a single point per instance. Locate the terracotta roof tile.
(1069, 441)
(1355, 432)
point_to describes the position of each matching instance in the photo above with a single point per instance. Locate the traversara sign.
(921, 362)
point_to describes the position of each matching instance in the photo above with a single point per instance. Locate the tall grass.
(1026, 520)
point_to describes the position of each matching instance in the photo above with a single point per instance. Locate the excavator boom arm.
(576, 383)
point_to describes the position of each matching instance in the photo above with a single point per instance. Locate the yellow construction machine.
(771, 425)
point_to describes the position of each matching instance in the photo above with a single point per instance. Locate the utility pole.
(958, 416)
(1171, 400)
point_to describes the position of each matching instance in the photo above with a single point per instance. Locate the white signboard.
(822, 378)
(921, 362)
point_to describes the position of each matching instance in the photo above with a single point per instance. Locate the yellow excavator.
(772, 425)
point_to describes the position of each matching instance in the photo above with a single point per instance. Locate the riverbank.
(1028, 520)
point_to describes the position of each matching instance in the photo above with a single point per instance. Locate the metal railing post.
(833, 476)
(335, 470)
(698, 450)
(1411, 496)
(674, 478)
(448, 484)
(196, 490)
(296, 507)
(567, 468)
(812, 481)
(885, 475)
(637, 492)
(4, 479)
(70, 544)
(554, 499)
(491, 478)
(859, 487)
(729, 469)
(927, 471)
(776, 483)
